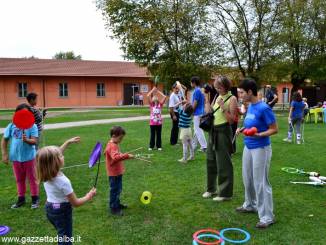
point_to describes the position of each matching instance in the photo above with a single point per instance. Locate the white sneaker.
(287, 140)
(208, 194)
(182, 160)
(159, 149)
(150, 149)
(221, 199)
(298, 142)
(191, 158)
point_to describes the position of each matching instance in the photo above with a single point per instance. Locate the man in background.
(271, 97)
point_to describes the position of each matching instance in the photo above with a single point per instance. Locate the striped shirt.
(38, 118)
(184, 119)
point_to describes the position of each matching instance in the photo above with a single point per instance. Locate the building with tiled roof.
(72, 83)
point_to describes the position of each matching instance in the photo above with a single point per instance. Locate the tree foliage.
(270, 40)
(70, 55)
(244, 28)
(171, 38)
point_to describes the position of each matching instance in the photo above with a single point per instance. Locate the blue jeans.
(115, 191)
(60, 216)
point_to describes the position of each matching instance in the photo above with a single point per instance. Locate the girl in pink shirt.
(155, 122)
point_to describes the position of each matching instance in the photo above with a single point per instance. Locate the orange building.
(72, 83)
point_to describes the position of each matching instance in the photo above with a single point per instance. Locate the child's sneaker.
(35, 202)
(208, 194)
(116, 211)
(159, 149)
(19, 203)
(202, 150)
(182, 160)
(287, 140)
(123, 206)
(191, 158)
(150, 149)
(298, 142)
(221, 199)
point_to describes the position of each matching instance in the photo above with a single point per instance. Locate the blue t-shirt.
(261, 116)
(199, 97)
(19, 150)
(297, 111)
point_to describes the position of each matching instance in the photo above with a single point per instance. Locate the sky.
(42, 28)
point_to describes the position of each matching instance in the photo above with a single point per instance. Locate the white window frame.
(100, 89)
(22, 90)
(64, 92)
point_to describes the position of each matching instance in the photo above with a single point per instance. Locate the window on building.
(100, 90)
(63, 89)
(22, 90)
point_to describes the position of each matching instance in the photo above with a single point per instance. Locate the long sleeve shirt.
(114, 159)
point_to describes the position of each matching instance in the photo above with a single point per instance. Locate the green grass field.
(177, 209)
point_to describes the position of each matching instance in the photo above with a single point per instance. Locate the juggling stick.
(234, 137)
(141, 159)
(309, 183)
(141, 155)
(316, 179)
(135, 150)
(94, 158)
(78, 165)
(323, 178)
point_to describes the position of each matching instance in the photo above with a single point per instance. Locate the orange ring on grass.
(194, 236)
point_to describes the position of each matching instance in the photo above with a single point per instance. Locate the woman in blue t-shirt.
(257, 155)
(295, 117)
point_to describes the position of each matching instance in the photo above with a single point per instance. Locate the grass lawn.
(177, 209)
(73, 115)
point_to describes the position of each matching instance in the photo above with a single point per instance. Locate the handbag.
(206, 121)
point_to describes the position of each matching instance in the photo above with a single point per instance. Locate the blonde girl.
(60, 195)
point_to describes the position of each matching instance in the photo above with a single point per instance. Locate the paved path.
(93, 122)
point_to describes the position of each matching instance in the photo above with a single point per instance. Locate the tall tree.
(170, 37)
(70, 55)
(245, 29)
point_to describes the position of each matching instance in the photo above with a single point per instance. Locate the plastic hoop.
(207, 235)
(247, 238)
(215, 232)
(291, 170)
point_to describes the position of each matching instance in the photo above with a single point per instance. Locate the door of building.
(130, 90)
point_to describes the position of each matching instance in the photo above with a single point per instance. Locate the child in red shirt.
(115, 168)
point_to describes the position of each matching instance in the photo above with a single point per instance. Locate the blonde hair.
(155, 98)
(49, 160)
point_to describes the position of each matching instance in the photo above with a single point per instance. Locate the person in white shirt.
(174, 104)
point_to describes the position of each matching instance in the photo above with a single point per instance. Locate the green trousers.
(219, 163)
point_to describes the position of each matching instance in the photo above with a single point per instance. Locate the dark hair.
(117, 131)
(297, 97)
(224, 81)
(207, 88)
(174, 85)
(189, 109)
(249, 84)
(195, 80)
(23, 106)
(31, 96)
